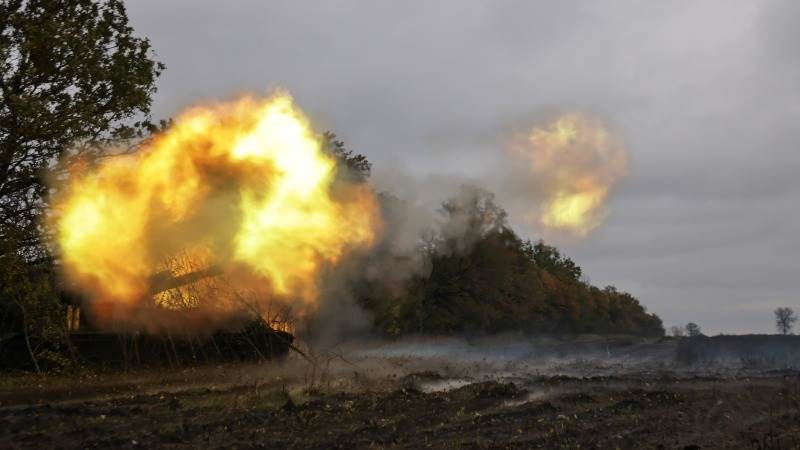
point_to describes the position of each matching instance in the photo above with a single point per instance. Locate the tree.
(785, 319)
(73, 78)
(468, 217)
(677, 331)
(693, 329)
(550, 259)
(39, 315)
(353, 167)
(73, 81)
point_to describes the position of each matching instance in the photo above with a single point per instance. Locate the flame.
(576, 162)
(242, 186)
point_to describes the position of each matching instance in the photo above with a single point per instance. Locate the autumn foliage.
(499, 282)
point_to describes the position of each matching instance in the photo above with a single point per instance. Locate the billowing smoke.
(574, 162)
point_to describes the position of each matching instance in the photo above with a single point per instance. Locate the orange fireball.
(243, 186)
(575, 162)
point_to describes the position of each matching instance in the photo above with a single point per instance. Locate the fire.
(576, 162)
(243, 187)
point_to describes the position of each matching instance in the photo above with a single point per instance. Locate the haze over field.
(705, 95)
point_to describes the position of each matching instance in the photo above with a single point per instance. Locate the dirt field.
(548, 413)
(279, 406)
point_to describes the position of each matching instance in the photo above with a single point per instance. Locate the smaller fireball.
(576, 162)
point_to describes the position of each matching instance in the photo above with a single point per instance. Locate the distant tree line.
(486, 279)
(785, 319)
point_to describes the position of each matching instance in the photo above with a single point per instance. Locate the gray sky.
(706, 95)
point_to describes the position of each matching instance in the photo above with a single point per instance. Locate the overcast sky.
(706, 95)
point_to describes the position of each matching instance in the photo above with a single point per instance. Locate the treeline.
(482, 278)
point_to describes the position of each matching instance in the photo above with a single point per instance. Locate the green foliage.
(73, 78)
(551, 260)
(29, 296)
(352, 167)
(497, 282)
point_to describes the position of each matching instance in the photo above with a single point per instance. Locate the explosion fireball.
(241, 188)
(576, 162)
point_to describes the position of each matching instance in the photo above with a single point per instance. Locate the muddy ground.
(292, 405)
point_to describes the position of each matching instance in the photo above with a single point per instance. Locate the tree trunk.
(27, 337)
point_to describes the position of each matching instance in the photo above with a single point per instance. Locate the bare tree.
(678, 331)
(693, 329)
(785, 319)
